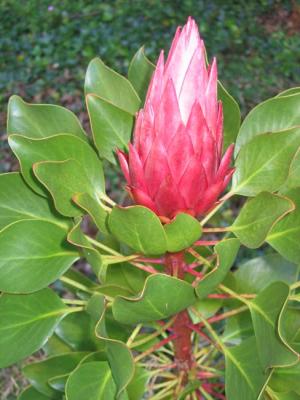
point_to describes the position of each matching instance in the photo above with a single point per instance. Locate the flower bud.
(175, 163)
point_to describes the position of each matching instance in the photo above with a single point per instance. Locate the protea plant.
(158, 312)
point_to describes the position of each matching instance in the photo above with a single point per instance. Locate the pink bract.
(175, 163)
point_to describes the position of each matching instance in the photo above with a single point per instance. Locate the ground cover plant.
(167, 311)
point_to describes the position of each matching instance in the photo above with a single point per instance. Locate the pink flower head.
(175, 163)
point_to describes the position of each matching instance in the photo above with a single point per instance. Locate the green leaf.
(78, 331)
(255, 275)
(238, 328)
(77, 238)
(26, 322)
(127, 276)
(290, 326)
(258, 216)
(41, 120)
(139, 228)
(64, 179)
(244, 375)
(284, 237)
(182, 232)
(288, 92)
(118, 354)
(282, 396)
(266, 310)
(31, 394)
(55, 346)
(94, 208)
(111, 86)
(34, 254)
(39, 373)
(276, 114)
(137, 387)
(293, 179)
(18, 202)
(226, 254)
(93, 381)
(284, 379)
(232, 116)
(162, 297)
(140, 72)
(111, 126)
(56, 148)
(263, 163)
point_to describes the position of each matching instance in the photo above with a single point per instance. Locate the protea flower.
(175, 163)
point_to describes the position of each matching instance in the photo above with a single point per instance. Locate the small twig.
(146, 268)
(134, 334)
(206, 242)
(150, 260)
(212, 213)
(215, 230)
(75, 284)
(74, 301)
(155, 347)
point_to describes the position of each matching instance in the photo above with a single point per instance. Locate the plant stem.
(103, 247)
(183, 354)
(215, 230)
(75, 284)
(74, 301)
(222, 201)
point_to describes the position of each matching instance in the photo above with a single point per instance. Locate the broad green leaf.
(226, 254)
(39, 373)
(266, 310)
(140, 72)
(255, 275)
(263, 163)
(31, 394)
(182, 232)
(127, 276)
(232, 116)
(206, 307)
(64, 179)
(275, 114)
(284, 379)
(77, 238)
(258, 216)
(137, 387)
(282, 396)
(19, 202)
(118, 354)
(284, 237)
(238, 328)
(34, 253)
(41, 120)
(290, 326)
(92, 381)
(288, 92)
(111, 126)
(26, 322)
(139, 228)
(78, 331)
(293, 179)
(56, 346)
(56, 148)
(244, 375)
(111, 86)
(94, 208)
(162, 297)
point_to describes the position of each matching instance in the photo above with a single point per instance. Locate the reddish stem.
(206, 242)
(183, 354)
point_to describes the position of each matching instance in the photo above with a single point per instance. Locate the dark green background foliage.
(45, 45)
